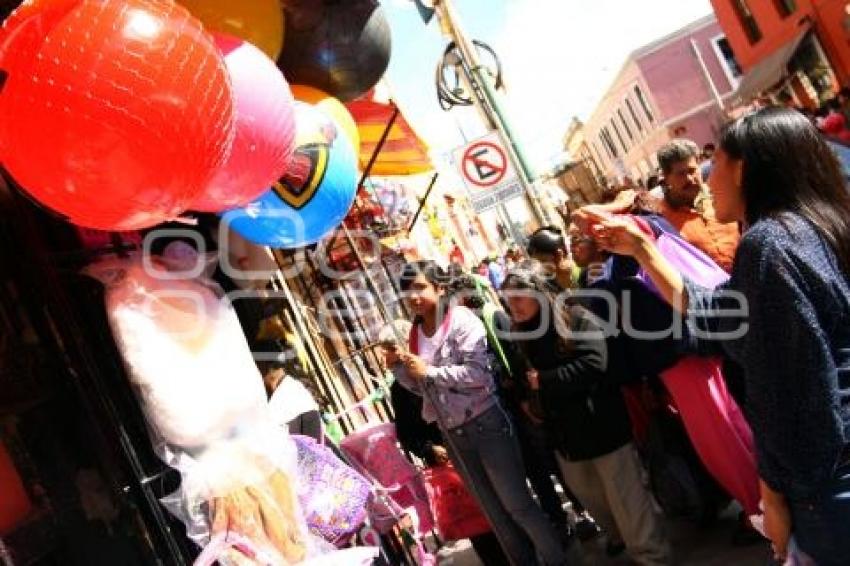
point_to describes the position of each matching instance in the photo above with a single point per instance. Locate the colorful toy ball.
(265, 128)
(314, 195)
(333, 108)
(114, 113)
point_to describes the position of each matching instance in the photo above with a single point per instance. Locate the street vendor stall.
(138, 432)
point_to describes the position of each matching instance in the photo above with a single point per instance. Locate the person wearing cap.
(548, 246)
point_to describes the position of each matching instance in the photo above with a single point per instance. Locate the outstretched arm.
(622, 237)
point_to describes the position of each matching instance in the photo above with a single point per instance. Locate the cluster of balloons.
(122, 114)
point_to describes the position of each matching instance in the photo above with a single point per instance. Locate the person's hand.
(533, 379)
(777, 521)
(581, 219)
(777, 527)
(416, 366)
(622, 204)
(618, 235)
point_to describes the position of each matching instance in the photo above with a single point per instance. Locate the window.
(619, 135)
(608, 142)
(726, 56)
(625, 125)
(644, 105)
(634, 115)
(598, 154)
(747, 20)
(604, 143)
(785, 7)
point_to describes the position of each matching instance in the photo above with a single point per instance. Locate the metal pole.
(505, 218)
(368, 169)
(381, 141)
(422, 203)
(488, 101)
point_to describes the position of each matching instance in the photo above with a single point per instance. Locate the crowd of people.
(677, 347)
(542, 362)
(832, 118)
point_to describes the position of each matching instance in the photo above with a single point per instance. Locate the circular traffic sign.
(484, 164)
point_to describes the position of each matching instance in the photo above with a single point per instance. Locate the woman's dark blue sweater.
(794, 348)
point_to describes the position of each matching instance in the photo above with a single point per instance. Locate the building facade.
(677, 86)
(581, 176)
(801, 47)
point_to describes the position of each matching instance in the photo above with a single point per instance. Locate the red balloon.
(265, 128)
(115, 113)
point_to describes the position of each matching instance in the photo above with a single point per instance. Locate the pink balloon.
(265, 128)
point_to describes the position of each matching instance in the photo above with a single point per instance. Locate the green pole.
(489, 103)
(482, 77)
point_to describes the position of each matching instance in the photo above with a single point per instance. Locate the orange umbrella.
(403, 152)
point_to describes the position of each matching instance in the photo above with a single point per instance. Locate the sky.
(558, 57)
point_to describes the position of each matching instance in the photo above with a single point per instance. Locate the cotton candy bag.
(205, 405)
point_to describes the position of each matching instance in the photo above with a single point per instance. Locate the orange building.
(801, 47)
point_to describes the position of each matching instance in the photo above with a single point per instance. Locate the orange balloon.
(115, 113)
(259, 22)
(333, 108)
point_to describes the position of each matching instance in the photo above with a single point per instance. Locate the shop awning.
(769, 71)
(403, 153)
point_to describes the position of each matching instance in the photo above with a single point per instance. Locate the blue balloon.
(313, 196)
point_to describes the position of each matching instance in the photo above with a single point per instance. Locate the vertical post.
(488, 102)
(502, 211)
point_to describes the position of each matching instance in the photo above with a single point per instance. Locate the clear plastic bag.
(206, 408)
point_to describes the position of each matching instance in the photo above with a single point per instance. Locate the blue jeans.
(486, 453)
(821, 525)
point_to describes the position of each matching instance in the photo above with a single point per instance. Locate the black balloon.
(339, 46)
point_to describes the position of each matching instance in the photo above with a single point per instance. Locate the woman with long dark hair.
(784, 316)
(448, 365)
(583, 410)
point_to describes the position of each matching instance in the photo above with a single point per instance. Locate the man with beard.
(687, 204)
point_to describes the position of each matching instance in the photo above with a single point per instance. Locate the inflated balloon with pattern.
(333, 108)
(265, 128)
(114, 113)
(312, 197)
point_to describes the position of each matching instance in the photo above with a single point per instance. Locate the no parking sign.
(487, 171)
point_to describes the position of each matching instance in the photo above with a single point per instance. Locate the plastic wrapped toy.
(203, 398)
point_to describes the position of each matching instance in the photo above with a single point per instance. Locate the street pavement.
(692, 546)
